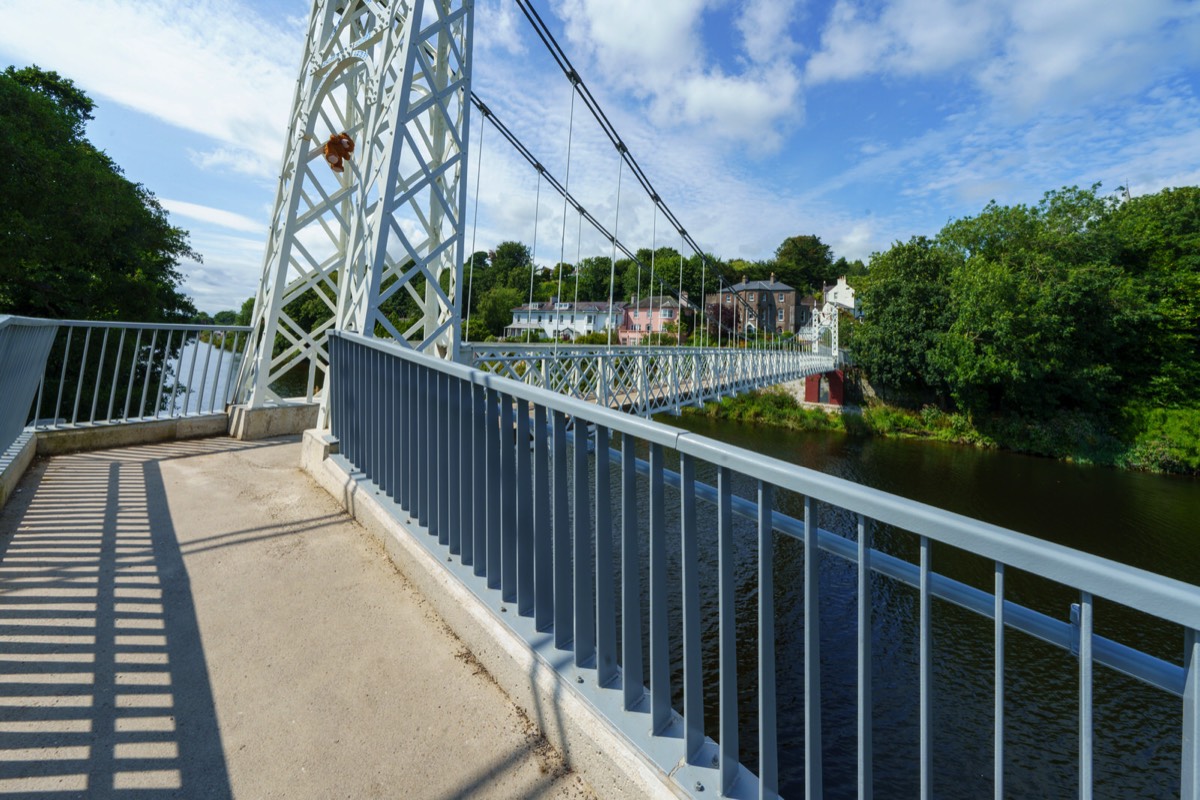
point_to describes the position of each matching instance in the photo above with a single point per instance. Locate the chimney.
(745, 279)
(772, 277)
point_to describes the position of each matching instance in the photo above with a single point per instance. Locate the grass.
(1151, 440)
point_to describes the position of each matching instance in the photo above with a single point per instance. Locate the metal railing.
(578, 550)
(91, 373)
(645, 380)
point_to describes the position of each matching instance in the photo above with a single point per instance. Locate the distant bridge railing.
(645, 380)
(578, 547)
(61, 374)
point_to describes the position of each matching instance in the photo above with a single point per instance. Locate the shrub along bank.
(1152, 439)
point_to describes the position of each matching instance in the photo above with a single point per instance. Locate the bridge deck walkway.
(198, 618)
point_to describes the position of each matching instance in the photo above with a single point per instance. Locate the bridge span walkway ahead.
(197, 619)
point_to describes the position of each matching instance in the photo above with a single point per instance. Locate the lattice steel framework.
(395, 76)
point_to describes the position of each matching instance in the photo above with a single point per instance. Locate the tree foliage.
(1078, 303)
(77, 239)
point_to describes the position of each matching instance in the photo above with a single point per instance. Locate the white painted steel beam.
(396, 77)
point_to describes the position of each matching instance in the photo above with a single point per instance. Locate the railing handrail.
(1166, 598)
(86, 323)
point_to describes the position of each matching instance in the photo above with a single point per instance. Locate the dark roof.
(658, 301)
(762, 286)
(586, 306)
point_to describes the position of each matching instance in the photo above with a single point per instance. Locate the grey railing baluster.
(87, 341)
(606, 609)
(632, 666)
(525, 589)
(149, 371)
(162, 374)
(660, 654)
(479, 525)
(508, 503)
(187, 395)
(768, 746)
(812, 653)
(563, 591)
(62, 376)
(584, 576)
(203, 372)
(1191, 716)
(693, 676)
(926, 666)
(444, 471)
(216, 384)
(727, 630)
(456, 472)
(495, 489)
(1085, 696)
(998, 681)
(112, 392)
(865, 636)
(543, 546)
(99, 377)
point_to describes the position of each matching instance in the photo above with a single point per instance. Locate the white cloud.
(905, 37)
(1027, 56)
(657, 53)
(215, 216)
(1077, 52)
(765, 28)
(213, 67)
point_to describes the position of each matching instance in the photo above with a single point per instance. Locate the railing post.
(633, 677)
(1191, 716)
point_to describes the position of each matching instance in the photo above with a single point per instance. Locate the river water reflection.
(1146, 521)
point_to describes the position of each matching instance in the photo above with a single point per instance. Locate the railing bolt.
(699, 786)
(579, 679)
(503, 609)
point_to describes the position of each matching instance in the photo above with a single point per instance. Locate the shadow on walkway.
(104, 688)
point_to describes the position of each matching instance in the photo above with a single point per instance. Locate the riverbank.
(1150, 440)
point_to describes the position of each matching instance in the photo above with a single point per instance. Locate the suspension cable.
(564, 63)
(474, 230)
(525, 153)
(679, 320)
(533, 254)
(653, 249)
(562, 245)
(612, 264)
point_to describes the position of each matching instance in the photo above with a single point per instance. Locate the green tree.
(1158, 243)
(804, 262)
(906, 312)
(1043, 318)
(77, 239)
(495, 308)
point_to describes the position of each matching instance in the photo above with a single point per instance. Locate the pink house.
(649, 316)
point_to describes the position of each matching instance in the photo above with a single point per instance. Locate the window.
(588, 319)
(781, 297)
(751, 297)
(780, 317)
(729, 300)
(668, 313)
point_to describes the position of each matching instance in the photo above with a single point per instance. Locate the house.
(841, 294)
(651, 315)
(764, 305)
(565, 321)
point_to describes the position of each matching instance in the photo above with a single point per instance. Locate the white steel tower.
(387, 230)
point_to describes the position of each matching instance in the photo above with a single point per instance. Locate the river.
(1147, 521)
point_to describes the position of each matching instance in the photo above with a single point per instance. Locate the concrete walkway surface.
(198, 619)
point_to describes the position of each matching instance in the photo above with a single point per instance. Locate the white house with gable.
(565, 321)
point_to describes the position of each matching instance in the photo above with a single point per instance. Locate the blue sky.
(861, 122)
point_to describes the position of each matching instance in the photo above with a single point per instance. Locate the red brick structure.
(829, 387)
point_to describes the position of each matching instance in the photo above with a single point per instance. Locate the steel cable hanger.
(612, 264)
(562, 247)
(564, 63)
(474, 230)
(537, 207)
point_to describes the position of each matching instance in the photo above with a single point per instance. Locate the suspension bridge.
(618, 575)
